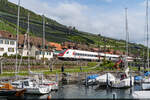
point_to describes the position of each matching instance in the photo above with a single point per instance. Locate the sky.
(105, 17)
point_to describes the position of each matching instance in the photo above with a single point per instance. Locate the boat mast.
(127, 36)
(17, 36)
(43, 49)
(28, 42)
(147, 34)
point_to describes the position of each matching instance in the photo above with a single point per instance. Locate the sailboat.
(127, 80)
(32, 86)
(6, 89)
(146, 80)
(144, 93)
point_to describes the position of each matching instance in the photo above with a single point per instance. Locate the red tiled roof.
(5, 34)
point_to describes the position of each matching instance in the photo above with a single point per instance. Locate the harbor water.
(76, 91)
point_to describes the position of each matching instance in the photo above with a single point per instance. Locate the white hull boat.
(38, 90)
(102, 79)
(51, 84)
(31, 87)
(125, 83)
(146, 84)
(141, 95)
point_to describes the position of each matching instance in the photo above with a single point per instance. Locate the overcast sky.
(106, 17)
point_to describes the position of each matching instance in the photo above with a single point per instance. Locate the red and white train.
(70, 54)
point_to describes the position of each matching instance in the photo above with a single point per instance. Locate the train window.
(67, 52)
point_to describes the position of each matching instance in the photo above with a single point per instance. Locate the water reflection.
(27, 97)
(80, 91)
(77, 91)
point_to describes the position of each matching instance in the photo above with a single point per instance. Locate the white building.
(7, 46)
(48, 55)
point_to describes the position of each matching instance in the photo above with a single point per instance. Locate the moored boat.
(31, 87)
(104, 79)
(7, 89)
(51, 84)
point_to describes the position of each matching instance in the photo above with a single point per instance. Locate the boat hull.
(141, 95)
(146, 86)
(37, 91)
(125, 83)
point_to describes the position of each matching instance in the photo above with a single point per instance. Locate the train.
(71, 54)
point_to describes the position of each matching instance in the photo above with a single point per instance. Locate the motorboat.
(32, 87)
(104, 79)
(6, 89)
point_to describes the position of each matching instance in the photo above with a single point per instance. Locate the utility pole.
(17, 37)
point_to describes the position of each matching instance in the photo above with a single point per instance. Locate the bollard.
(1, 70)
(130, 81)
(114, 95)
(86, 83)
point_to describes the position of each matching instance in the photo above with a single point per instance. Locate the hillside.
(56, 32)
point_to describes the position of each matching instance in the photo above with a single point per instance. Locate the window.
(67, 52)
(10, 49)
(37, 53)
(1, 41)
(1, 49)
(26, 83)
(12, 42)
(40, 52)
(6, 41)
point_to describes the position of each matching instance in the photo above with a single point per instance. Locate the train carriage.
(71, 54)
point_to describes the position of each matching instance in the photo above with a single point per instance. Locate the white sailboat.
(128, 80)
(32, 87)
(146, 80)
(144, 93)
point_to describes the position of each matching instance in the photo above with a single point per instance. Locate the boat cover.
(147, 73)
(92, 76)
(137, 78)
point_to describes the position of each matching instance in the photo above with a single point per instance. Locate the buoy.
(49, 97)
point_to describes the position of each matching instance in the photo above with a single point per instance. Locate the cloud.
(108, 23)
(108, 0)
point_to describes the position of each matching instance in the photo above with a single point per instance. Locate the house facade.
(8, 46)
(47, 54)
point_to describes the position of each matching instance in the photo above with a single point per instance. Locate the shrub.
(5, 55)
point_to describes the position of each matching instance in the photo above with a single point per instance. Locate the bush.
(5, 55)
(92, 64)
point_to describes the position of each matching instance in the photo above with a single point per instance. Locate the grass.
(108, 66)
